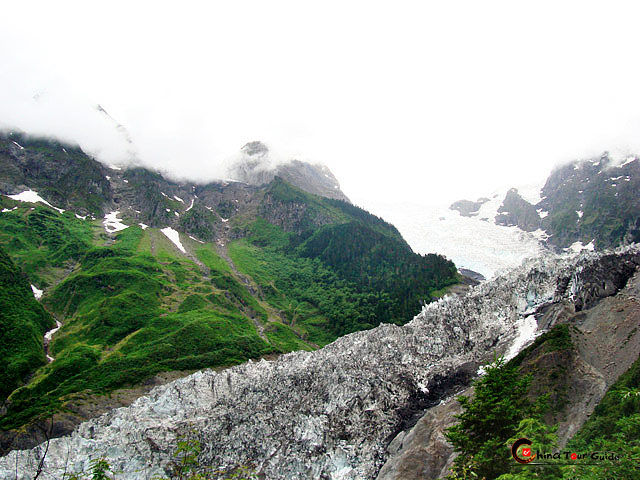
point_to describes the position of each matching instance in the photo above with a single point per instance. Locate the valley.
(167, 277)
(147, 302)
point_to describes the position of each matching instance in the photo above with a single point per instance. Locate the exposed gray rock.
(516, 211)
(467, 208)
(324, 414)
(423, 452)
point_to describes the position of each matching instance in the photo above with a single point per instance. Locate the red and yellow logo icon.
(521, 451)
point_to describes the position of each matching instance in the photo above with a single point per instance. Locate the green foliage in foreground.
(23, 323)
(185, 465)
(496, 408)
(488, 419)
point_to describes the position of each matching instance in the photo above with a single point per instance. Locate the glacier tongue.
(475, 243)
(328, 413)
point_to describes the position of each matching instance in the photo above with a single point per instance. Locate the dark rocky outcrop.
(62, 174)
(593, 200)
(516, 211)
(468, 208)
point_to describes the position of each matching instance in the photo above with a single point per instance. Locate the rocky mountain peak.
(256, 167)
(255, 149)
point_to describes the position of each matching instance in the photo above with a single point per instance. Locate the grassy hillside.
(128, 313)
(23, 323)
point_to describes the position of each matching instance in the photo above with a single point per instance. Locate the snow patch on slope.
(48, 336)
(112, 223)
(36, 292)
(32, 196)
(527, 329)
(174, 236)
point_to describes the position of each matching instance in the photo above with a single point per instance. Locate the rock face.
(330, 413)
(516, 211)
(423, 452)
(68, 178)
(593, 200)
(63, 174)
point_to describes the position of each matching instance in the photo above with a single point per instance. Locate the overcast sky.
(404, 101)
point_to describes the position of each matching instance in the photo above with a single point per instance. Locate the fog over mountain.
(395, 101)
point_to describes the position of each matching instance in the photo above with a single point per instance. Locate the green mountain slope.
(23, 323)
